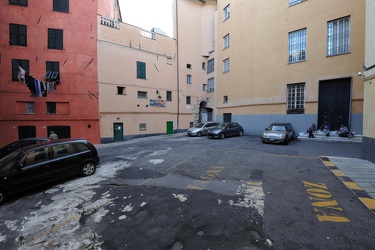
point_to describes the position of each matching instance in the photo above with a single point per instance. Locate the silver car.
(281, 133)
(201, 128)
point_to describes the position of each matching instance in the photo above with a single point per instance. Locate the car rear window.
(81, 147)
(62, 150)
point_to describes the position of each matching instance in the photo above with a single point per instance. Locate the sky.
(147, 14)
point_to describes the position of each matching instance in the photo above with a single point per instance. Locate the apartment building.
(54, 42)
(150, 83)
(195, 30)
(368, 75)
(137, 81)
(290, 61)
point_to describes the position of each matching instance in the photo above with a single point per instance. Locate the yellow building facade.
(368, 74)
(290, 61)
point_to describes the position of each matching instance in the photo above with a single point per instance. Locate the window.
(297, 46)
(296, 98)
(30, 107)
(211, 85)
(55, 39)
(188, 66)
(18, 2)
(141, 70)
(16, 63)
(188, 100)
(226, 41)
(225, 99)
(35, 156)
(142, 94)
(17, 34)
(227, 12)
(51, 107)
(203, 65)
(52, 71)
(210, 66)
(169, 96)
(121, 90)
(226, 66)
(338, 36)
(142, 126)
(61, 5)
(293, 2)
(191, 124)
(188, 79)
(204, 87)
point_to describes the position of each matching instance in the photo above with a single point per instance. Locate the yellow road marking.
(352, 185)
(370, 203)
(338, 173)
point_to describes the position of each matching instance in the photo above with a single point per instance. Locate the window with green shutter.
(141, 70)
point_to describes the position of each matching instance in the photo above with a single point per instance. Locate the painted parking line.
(366, 199)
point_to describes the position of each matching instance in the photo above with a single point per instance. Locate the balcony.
(109, 22)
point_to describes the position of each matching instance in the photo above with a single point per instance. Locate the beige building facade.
(290, 61)
(368, 74)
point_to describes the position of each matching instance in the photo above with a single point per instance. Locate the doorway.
(118, 131)
(334, 102)
(26, 132)
(61, 131)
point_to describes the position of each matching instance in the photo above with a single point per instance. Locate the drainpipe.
(178, 70)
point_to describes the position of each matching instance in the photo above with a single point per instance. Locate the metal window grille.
(296, 96)
(297, 46)
(226, 65)
(226, 41)
(226, 12)
(338, 36)
(210, 66)
(211, 85)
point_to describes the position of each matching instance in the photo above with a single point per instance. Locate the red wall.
(78, 89)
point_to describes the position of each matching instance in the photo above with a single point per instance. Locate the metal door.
(334, 102)
(118, 131)
(169, 127)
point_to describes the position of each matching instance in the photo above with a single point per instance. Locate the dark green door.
(118, 131)
(169, 127)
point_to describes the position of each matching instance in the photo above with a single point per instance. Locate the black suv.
(40, 164)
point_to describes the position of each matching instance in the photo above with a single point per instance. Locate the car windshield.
(8, 161)
(200, 125)
(277, 128)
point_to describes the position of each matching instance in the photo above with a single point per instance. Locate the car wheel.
(3, 196)
(222, 136)
(199, 134)
(240, 133)
(286, 141)
(88, 168)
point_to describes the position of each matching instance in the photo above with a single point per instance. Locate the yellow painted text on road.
(325, 207)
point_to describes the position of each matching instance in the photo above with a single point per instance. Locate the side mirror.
(19, 167)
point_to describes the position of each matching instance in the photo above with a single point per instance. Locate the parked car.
(281, 133)
(19, 144)
(201, 128)
(44, 163)
(225, 130)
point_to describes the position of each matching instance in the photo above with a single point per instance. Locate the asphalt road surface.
(178, 192)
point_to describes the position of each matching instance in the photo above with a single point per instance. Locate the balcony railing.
(109, 22)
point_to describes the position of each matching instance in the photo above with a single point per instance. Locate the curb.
(366, 199)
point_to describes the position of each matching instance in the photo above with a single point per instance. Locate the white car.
(201, 128)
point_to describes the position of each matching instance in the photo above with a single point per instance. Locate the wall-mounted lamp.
(118, 118)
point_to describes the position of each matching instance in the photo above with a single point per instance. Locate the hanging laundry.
(21, 74)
